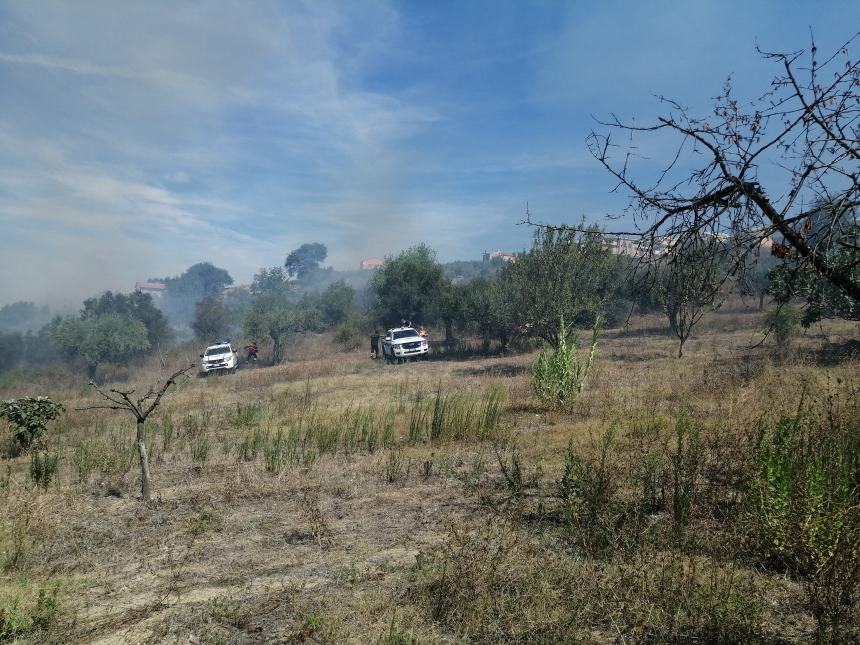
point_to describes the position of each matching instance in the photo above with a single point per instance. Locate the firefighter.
(374, 344)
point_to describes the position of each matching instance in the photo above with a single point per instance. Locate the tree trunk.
(449, 333)
(276, 351)
(92, 371)
(145, 483)
(681, 348)
(761, 300)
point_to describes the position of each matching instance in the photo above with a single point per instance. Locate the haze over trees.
(272, 282)
(183, 292)
(212, 319)
(23, 316)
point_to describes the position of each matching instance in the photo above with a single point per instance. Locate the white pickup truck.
(218, 357)
(404, 343)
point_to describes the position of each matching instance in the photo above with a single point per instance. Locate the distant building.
(370, 264)
(620, 246)
(155, 289)
(504, 255)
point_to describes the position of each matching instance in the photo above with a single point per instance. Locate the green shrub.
(28, 417)
(351, 332)
(251, 445)
(456, 416)
(43, 467)
(785, 323)
(200, 449)
(685, 464)
(803, 512)
(675, 598)
(84, 461)
(587, 490)
(167, 432)
(247, 414)
(22, 616)
(275, 453)
(397, 468)
(558, 376)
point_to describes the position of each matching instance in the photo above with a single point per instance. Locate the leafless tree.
(141, 408)
(800, 137)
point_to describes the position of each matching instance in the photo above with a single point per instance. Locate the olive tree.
(275, 318)
(272, 282)
(212, 319)
(105, 338)
(568, 275)
(488, 310)
(410, 285)
(134, 305)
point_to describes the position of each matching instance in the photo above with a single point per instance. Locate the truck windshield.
(405, 333)
(214, 351)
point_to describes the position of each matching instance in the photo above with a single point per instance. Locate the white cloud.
(187, 133)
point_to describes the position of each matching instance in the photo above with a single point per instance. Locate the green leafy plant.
(29, 416)
(200, 449)
(559, 375)
(587, 490)
(685, 464)
(43, 467)
(803, 512)
(24, 615)
(84, 461)
(784, 321)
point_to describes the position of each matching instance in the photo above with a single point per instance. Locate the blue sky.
(137, 138)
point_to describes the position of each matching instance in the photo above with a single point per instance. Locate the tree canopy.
(199, 281)
(134, 305)
(104, 338)
(336, 303)
(212, 319)
(23, 316)
(409, 285)
(567, 274)
(822, 298)
(305, 260)
(275, 318)
(272, 282)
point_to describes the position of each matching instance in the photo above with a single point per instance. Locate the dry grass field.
(336, 499)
